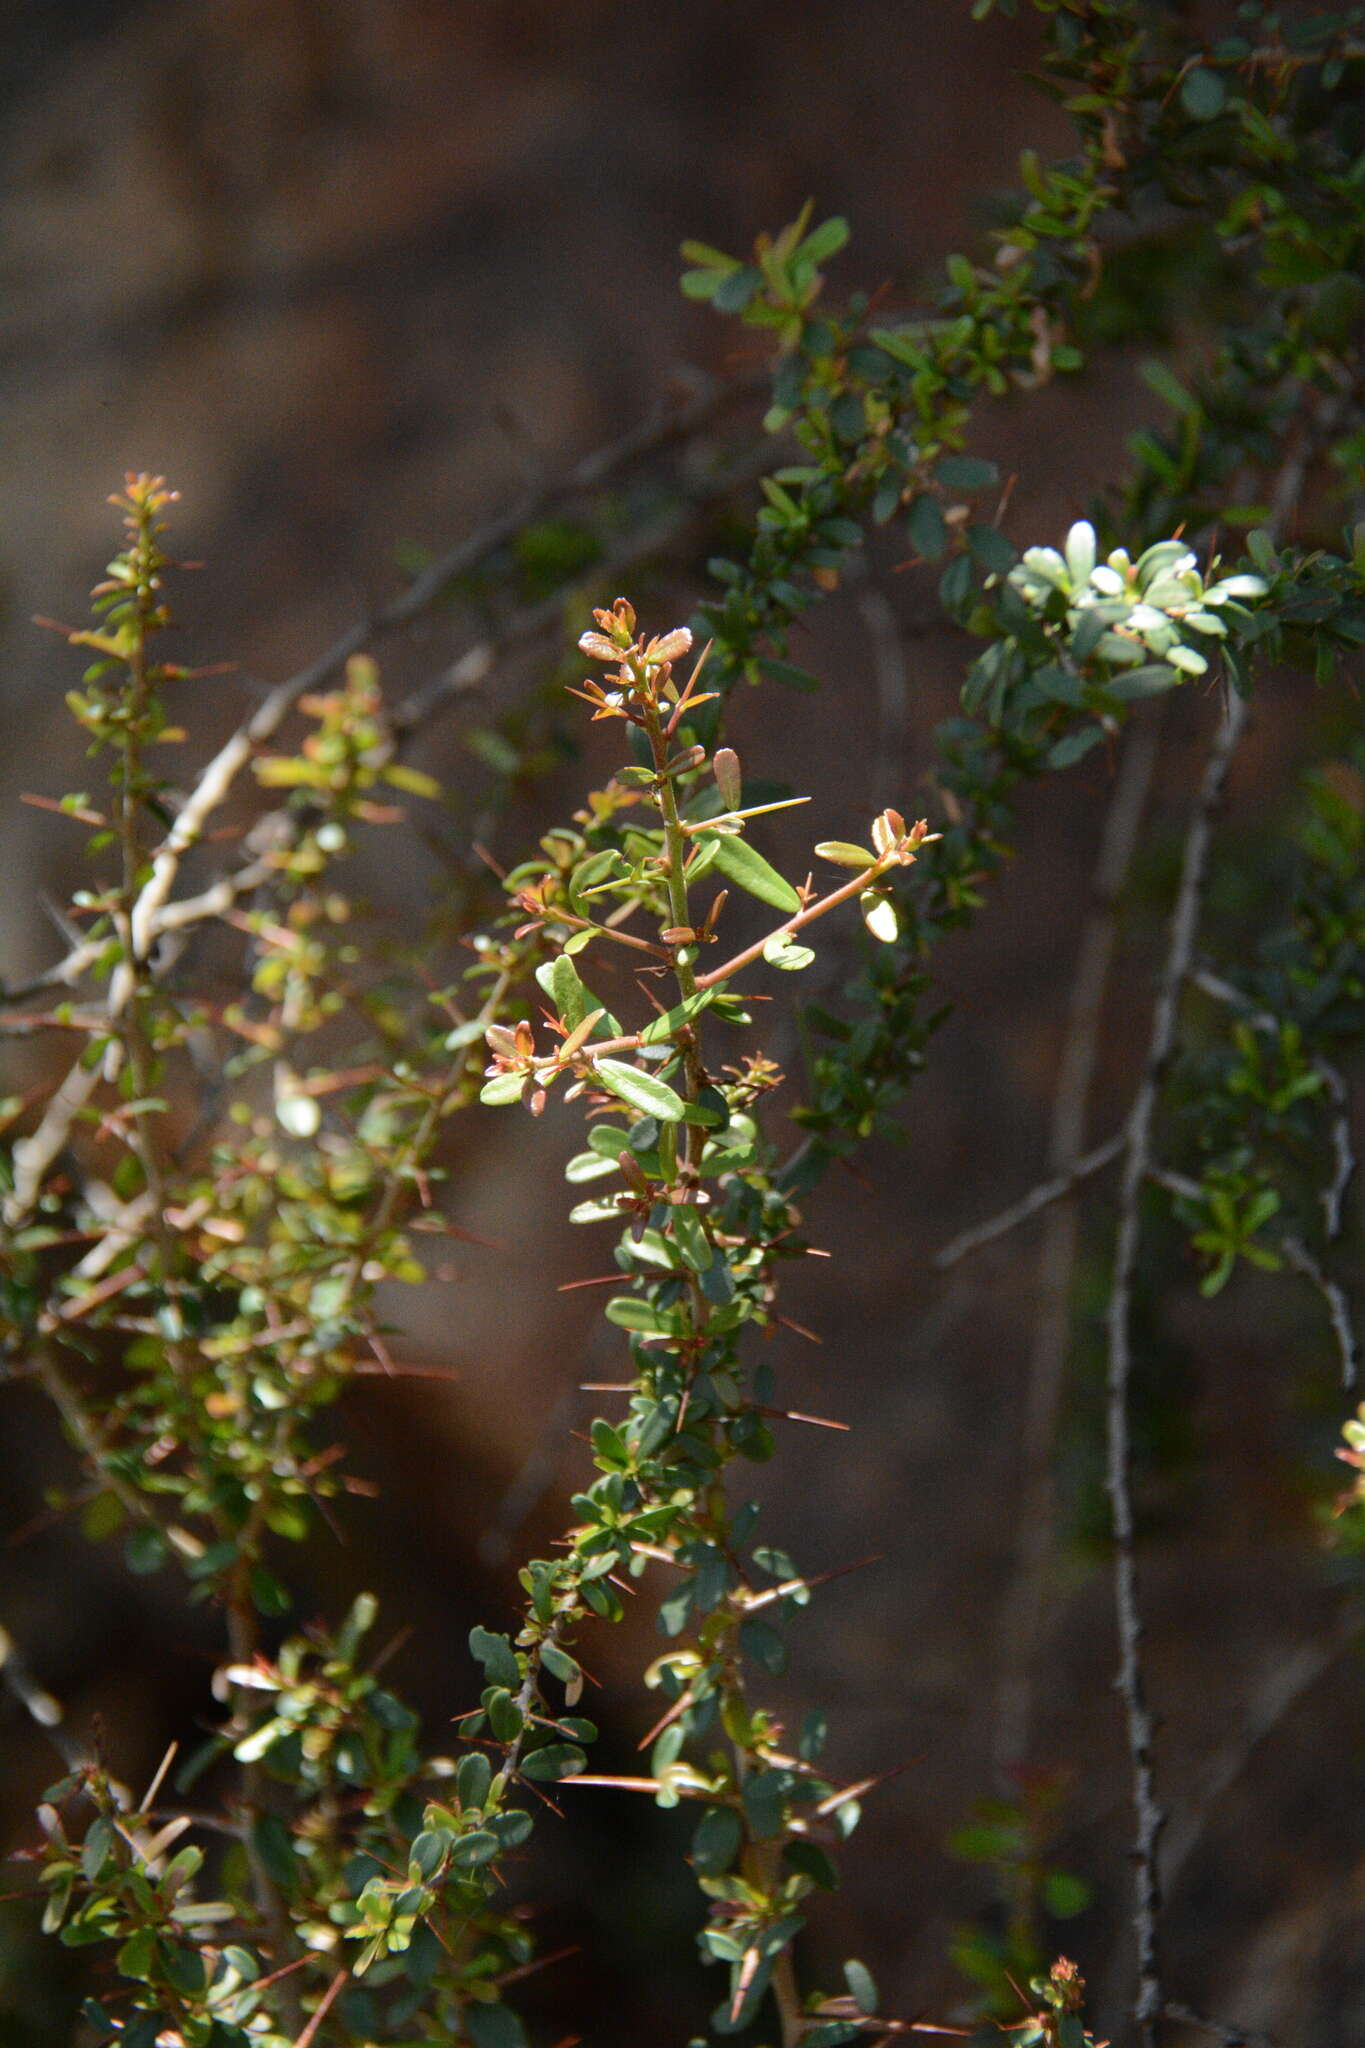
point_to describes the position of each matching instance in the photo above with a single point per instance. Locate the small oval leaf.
(644, 1092)
(844, 854)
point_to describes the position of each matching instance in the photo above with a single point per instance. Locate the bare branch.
(533, 621)
(1137, 1163)
(1334, 1297)
(34, 1155)
(1029, 1205)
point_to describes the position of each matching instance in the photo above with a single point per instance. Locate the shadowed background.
(354, 276)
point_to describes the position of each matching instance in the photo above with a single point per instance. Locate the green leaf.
(992, 549)
(559, 1663)
(1069, 750)
(814, 1730)
(812, 1862)
(101, 1516)
(682, 1013)
(691, 1239)
(493, 2026)
(736, 289)
(764, 1646)
(183, 1968)
(764, 1799)
(739, 863)
(497, 1657)
(146, 1550)
(502, 1088)
(928, 533)
(1150, 680)
(862, 1988)
(781, 950)
(472, 1851)
(473, 1779)
(586, 1166)
(966, 473)
(880, 915)
(556, 1760)
(716, 1843)
(843, 854)
(1160, 379)
(571, 998)
(825, 241)
(269, 1595)
(787, 672)
(903, 347)
(642, 1091)
(1202, 94)
(1065, 1894)
(702, 254)
(427, 1854)
(628, 1312)
(511, 1829)
(97, 1848)
(274, 1845)
(412, 780)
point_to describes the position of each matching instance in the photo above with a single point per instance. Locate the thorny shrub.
(199, 1212)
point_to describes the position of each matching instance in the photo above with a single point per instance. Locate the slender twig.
(533, 621)
(1338, 1307)
(34, 1155)
(324, 2006)
(85, 1433)
(1137, 1161)
(1029, 1205)
(1022, 1615)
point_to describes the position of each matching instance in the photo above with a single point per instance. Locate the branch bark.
(1137, 1165)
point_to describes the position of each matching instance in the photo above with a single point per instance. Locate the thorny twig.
(1137, 1165)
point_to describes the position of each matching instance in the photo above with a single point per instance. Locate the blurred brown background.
(349, 274)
